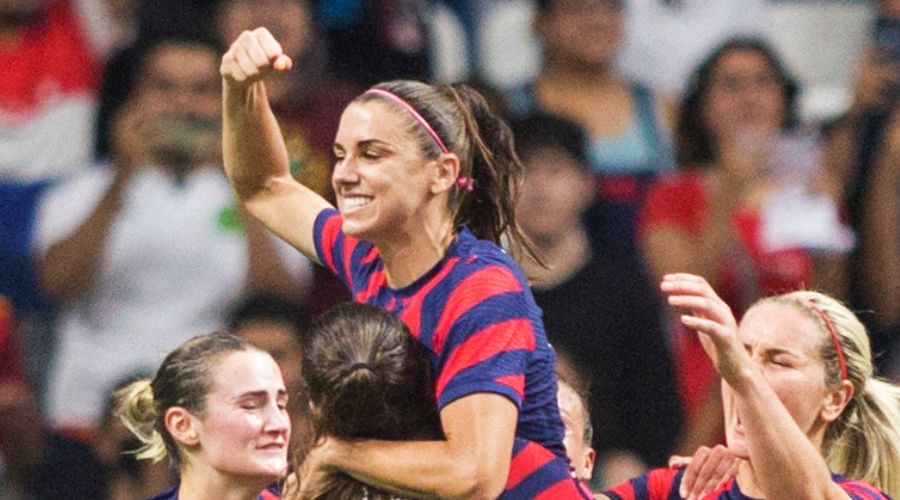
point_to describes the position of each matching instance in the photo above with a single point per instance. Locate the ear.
(182, 426)
(446, 172)
(586, 471)
(836, 400)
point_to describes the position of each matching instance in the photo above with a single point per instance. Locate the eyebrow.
(364, 144)
(259, 394)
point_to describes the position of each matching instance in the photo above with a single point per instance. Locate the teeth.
(356, 202)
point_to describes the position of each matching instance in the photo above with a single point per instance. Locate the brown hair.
(464, 122)
(367, 379)
(182, 380)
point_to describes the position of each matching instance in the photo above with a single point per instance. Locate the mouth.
(356, 202)
(273, 446)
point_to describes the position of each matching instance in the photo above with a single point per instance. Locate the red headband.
(834, 336)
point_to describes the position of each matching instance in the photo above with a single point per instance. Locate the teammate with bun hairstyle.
(217, 409)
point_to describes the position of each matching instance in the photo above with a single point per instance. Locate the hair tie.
(466, 184)
(358, 366)
(415, 114)
(834, 336)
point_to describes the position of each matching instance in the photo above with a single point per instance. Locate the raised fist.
(251, 57)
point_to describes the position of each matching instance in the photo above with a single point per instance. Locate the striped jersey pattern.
(662, 484)
(482, 331)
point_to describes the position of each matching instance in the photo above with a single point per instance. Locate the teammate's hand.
(704, 471)
(251, 57)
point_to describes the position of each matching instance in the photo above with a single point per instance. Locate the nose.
(344, 173)
(277, 421)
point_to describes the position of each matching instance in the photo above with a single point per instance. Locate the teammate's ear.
(183, 426)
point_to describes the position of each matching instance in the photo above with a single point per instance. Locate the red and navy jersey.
(660, 484)
(482, 331)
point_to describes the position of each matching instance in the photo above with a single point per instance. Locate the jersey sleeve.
(859, 490)
(654, 484)
(335, 250)
(484, 338)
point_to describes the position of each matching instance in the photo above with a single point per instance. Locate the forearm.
(786, 464)
(68, 267)
(253, 149)
(429, 469)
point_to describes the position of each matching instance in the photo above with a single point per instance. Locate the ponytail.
(869, 446)
(136, 408)
(490, 212)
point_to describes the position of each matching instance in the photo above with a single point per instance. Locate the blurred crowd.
(659, 136)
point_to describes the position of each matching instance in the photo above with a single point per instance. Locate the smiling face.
(382, 180)
(787, 345)
(745, 95)
(244, 430)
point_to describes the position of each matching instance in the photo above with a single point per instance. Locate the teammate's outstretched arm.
(255, 156)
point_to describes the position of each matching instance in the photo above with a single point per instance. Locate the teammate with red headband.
(425, 181)
(800, 399)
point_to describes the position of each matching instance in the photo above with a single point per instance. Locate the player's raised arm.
(255, 156)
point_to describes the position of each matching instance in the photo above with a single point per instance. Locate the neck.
(408, 257)
(564, 257)
(201, 482)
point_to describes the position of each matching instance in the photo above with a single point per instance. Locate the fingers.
(717, 466)
(253, 55)
(689, 478)
(692, 292)
(679, 462)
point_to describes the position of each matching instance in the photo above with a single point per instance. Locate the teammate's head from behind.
(367, 379)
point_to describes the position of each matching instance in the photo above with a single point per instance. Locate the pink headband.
(415, 114)
(466, 184)
(834, 335)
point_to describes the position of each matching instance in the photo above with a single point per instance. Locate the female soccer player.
(799, 396)
(217, 408)
(425, 181)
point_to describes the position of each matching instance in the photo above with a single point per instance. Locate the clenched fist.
(251, 57)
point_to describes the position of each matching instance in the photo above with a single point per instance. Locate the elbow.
(474, 482)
